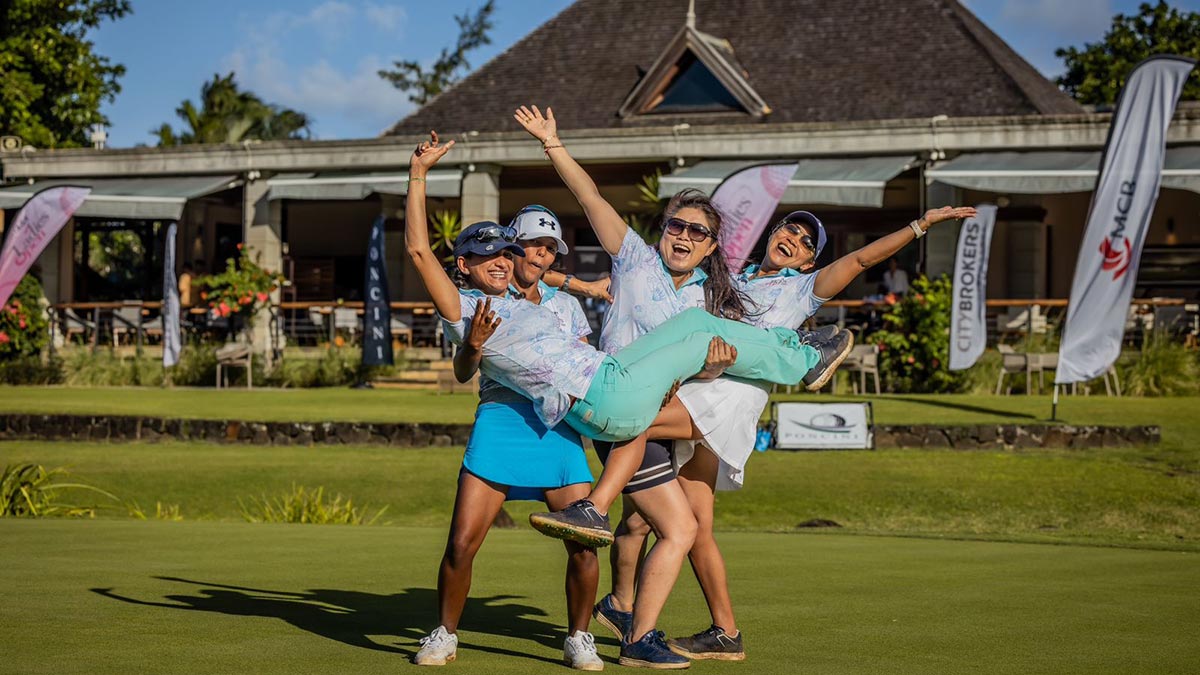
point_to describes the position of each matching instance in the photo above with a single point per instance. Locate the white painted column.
(481, 194)
(261, 232)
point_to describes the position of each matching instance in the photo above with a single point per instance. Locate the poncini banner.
(1126, 191)
(968, 321)
(32, 229)
(377, 313)
(746, 200)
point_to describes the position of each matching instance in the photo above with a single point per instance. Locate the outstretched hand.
(538, 126)
(428, 153)
(933, 216)
(483, 324)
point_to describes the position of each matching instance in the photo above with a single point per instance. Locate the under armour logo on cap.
(548, 223)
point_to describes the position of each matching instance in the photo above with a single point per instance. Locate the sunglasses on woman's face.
(695, 231)
(494, 232)
(795, 229)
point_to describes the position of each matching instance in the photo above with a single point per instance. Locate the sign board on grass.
(823, 426)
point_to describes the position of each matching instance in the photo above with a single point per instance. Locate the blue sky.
(320, 56)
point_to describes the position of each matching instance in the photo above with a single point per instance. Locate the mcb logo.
(1116, 259)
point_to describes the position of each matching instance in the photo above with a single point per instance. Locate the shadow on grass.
(964, 407)
(352, 617)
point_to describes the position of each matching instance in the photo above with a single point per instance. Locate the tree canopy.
(228, 115)
(53, 83)
(423, 85)
(1096, 73)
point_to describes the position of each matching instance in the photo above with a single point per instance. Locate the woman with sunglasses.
(649, 286)
(511, 455)
(606, 397)
(783, 291)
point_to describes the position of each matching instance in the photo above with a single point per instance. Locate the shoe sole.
(707, 656)
(594, 667)
(829, 372)
(638, 663)
(607, 623)
(586, 536)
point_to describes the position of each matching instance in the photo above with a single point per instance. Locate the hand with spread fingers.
(721, 355)
(426, 155)
(483, 325)
(933, 216)
(541, 128)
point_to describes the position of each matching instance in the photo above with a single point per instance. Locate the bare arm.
(609, 227)
(470, 353)
(416, 233)
(834, 278)
(598, 289)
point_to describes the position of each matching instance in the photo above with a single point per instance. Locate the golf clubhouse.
(889, 107)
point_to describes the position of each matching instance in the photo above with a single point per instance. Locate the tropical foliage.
(23, 325)
(241, 289)
(915, 342)
(227, 114)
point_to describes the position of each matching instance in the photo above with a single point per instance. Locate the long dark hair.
(721, 297)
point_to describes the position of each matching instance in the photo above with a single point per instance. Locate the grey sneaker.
(579, 521)
(440, 648)
(833, 351)
(822, 334)
(614, 619)
(579, 652)
(713, 643)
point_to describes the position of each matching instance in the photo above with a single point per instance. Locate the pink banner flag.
(35, 225)
(746, 200)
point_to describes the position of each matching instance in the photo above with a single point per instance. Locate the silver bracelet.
(917, 228)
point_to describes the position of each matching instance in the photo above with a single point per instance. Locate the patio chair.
(345, 318)
(234, 355)
(399, 328)
(864, 360)
(1021, 320)
(1012, 363)
(73, 324)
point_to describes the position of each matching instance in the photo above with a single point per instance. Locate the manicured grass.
(1108, 497)
(131, 597)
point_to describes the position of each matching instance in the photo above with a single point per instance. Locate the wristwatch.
(566, 284)
(916, 228)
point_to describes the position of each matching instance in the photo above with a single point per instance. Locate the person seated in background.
(187, 296)
(895, 278)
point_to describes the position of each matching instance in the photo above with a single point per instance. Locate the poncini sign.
(968, 320)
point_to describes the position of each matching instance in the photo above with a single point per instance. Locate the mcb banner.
(32, 229)
(747, 200)
(1126, 191)
(968, 321)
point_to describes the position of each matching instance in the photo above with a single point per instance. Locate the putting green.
(113, 596)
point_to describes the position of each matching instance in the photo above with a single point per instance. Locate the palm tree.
(227, 115)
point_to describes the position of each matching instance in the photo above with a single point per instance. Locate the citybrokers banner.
(34, 227)
(968, 321)
(1122, 204)
(746, 200)
(377, 312)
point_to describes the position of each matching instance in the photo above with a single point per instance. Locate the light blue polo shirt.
(571, 320)
(531, 354)
(643, 294)
(782, 300)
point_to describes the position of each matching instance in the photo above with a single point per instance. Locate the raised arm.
(609, 227)
(416, 231)
(834, 278)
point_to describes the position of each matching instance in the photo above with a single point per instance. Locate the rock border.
(151, 429)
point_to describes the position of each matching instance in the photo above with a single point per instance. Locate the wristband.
(566, 284)
(416, 179)
(917, 228)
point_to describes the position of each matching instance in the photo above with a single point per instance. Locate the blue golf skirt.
(510, 446)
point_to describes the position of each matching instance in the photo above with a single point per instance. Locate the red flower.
(262, 297)
(239, 246)
(912, 359)
(882, 347)
(21, 323)
(245, 300)
(223, 309)
(4, 339)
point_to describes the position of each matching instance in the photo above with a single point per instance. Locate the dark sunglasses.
(493, 232)
(795, 229)
(695, 231)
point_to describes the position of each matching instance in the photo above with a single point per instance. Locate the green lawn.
(145, 597)
(1106, 497)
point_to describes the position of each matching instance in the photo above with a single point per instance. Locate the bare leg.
(666, 509)
(628, 552)
(583, 568)
(698, 479)
(475, 507)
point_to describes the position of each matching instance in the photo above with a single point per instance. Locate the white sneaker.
(440, 648)
(579, 652)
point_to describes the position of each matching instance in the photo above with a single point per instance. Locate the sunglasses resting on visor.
(695, 231)
(494, 232)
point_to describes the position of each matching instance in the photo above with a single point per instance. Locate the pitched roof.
(808, 60)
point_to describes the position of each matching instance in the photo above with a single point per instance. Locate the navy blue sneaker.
(579, 521)
(713, 643)
(651, 652)
(833, 350)
(614, 619)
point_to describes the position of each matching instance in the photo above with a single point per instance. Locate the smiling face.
(539, 255)
(785, 249)
(678, 251)
(491, 274)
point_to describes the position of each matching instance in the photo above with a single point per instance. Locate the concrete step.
(422, 354)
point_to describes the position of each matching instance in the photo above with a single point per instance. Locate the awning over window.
(135, 198)
(843, 181)
(353, 186)
(1053, 172)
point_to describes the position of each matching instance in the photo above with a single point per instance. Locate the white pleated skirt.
(726, 411)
